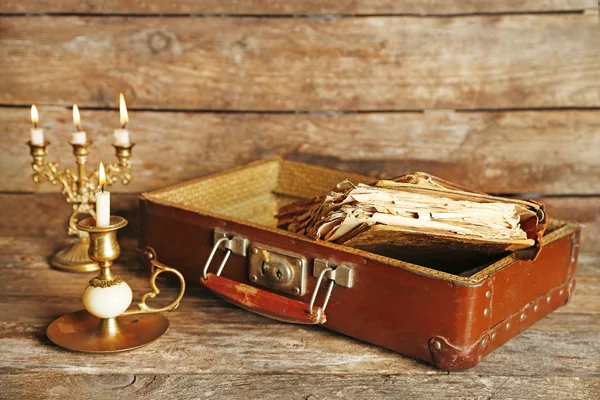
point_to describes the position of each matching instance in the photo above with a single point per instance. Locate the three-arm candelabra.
(79, 189)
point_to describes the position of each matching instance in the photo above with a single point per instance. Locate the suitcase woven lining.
(256, 193)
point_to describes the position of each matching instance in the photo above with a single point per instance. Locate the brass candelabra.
(79, 189)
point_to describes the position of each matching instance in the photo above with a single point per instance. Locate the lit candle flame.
(123, 111)
(101, 176)
(35, 118)
(76, 118)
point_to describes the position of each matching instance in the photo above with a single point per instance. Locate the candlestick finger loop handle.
(144, 308)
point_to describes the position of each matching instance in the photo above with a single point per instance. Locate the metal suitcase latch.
(342, 275)
(237, 244)
(281, 271)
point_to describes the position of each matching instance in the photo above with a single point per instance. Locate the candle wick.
(78, 127)
(102, 188)
(35, 125)
(124, 125)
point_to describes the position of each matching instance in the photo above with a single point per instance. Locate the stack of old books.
(419, 218)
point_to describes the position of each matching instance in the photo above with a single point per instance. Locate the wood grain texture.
(585, 210)
(278, 7)
(548, 152)
(305, 387)
(373, 63)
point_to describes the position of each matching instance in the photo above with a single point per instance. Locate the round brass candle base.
(81, 331)
(75, 258)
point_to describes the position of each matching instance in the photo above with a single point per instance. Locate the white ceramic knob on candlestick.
(107, 302)
(37, 134)
(78, 137)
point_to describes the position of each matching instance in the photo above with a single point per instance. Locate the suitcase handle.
(262, 301)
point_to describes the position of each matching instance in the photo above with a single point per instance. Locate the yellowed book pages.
(413, 214)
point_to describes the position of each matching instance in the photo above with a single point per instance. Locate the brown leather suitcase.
(225, 224)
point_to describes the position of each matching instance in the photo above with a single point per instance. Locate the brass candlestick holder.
(78, 189)
(107, 325)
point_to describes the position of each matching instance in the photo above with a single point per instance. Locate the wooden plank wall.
(501, 96)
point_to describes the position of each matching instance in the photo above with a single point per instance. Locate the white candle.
(102, 201)
(122, 138)
(122, 135)
(37, 134)
(78, 137)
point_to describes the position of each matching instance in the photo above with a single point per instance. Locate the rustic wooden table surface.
(214, 350)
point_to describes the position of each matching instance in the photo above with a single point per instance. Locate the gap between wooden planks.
(306, 7)
(545, 152)
(369, 64)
